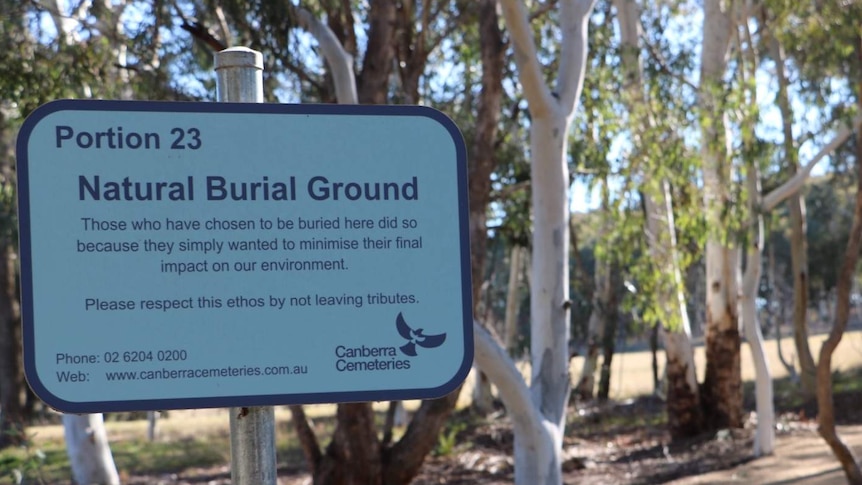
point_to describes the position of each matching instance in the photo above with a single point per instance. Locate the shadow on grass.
(790, 403)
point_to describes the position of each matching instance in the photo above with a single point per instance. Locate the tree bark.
(338, 59)
(402, 461)
(777, 294)
(764, 438)
(608, 350)
(595, 330)
(484, 160)
(13, 389)
(513, 299)
(373, 83)
(603, 310)
(657, 385)
(533, 452)
(12, 386)
(825, 405)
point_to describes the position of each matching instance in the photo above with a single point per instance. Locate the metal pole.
(239, 72)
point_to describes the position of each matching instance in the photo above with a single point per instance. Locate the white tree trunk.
(764, 439)
(339, 60)
(683, 394)
(549, 307)
(549, 296)
(89, 453)
(535, 456)
(152, 423)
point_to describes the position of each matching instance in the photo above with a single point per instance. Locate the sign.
(186, 255)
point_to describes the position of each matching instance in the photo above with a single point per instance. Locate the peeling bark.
(373, 83)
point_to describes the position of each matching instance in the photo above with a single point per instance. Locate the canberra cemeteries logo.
(416, 337)
(366, 358)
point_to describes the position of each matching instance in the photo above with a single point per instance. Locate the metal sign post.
(239, 73)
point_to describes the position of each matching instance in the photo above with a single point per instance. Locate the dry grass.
(632, 372)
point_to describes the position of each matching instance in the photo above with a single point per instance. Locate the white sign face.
(184, 255)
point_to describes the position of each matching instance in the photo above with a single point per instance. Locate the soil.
(626, 444)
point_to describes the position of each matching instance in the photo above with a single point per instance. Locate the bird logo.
(416, 337)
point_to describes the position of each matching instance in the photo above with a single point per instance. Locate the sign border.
(26, 257)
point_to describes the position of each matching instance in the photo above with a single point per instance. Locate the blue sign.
(186, 255)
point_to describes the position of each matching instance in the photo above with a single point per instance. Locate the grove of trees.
(718, 142)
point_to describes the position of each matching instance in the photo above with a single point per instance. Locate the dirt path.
(801, 457)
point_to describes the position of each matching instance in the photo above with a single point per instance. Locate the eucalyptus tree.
(652, 163)
(811, 43)
(598, 120)
(826, 410)
(827, 46)
(539, 414)
(723, 246)
(722, 386)
(796, 208)
(752, 154)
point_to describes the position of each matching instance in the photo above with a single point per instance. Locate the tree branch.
(339, 61)
(199, 31)
(663, 65)
(508, 190)
(492, 359)
(795, 183)
(575, 18)
(529, 71)
(543, 8)
(202, 33)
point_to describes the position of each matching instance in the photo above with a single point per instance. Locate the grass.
(193, 439)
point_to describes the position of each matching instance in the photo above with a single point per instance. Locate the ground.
(619, 443)
(647, 456)
(622, 442)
